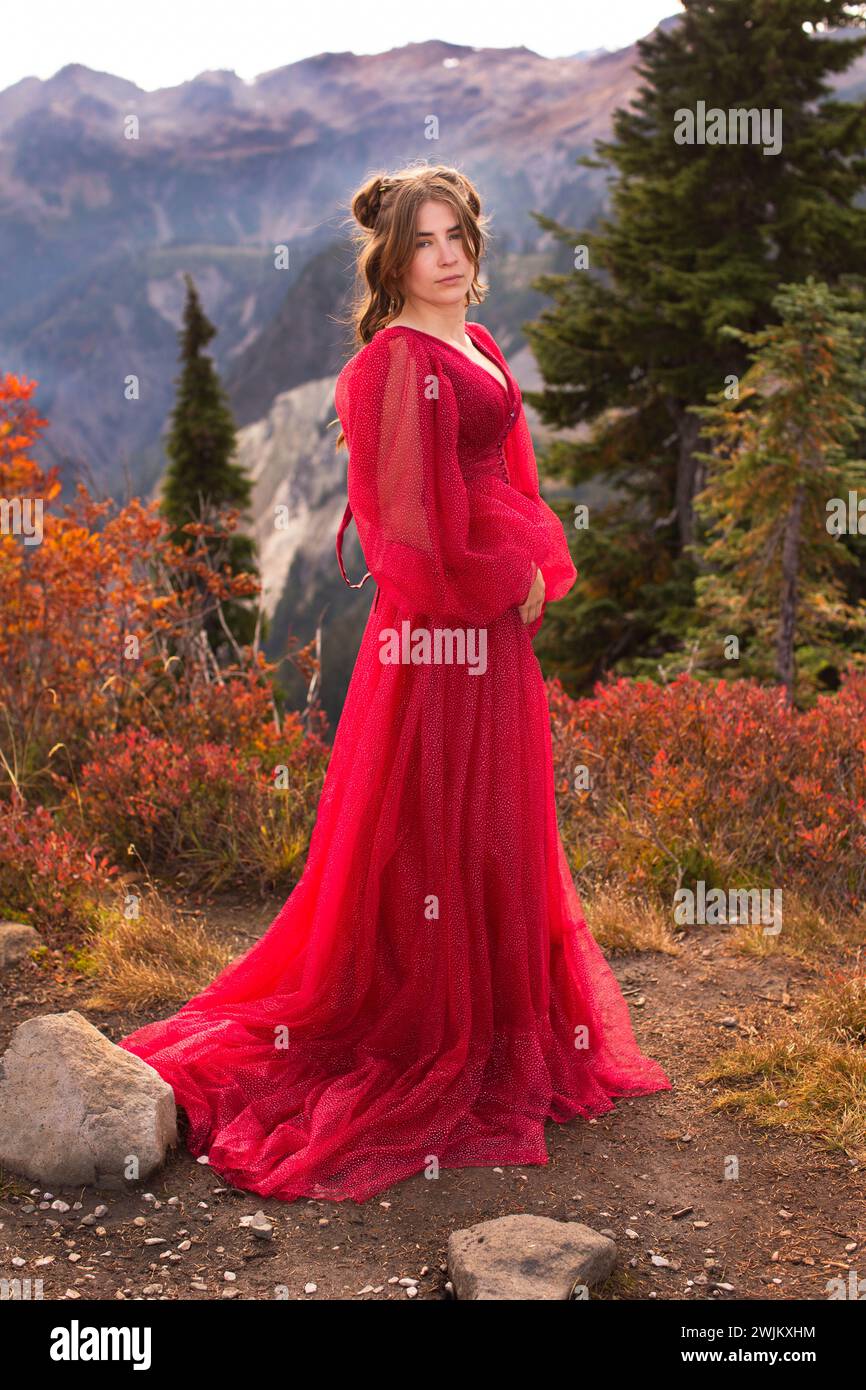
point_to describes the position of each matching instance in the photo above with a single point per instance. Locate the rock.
(527, 1257)
(261, 1226)
(74, 1108)
(16, 940)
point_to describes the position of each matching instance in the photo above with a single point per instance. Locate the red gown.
(429, 994)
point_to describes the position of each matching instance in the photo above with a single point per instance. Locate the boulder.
(16, 941)
(527, 1257)
(74, 1108)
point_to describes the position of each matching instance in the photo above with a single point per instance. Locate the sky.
(163, 42)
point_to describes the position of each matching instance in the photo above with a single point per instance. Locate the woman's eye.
(455, 236)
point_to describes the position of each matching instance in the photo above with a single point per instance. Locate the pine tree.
(779, 480)
(700, 235)
(202, 480)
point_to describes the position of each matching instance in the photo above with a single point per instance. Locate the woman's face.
(440, 272)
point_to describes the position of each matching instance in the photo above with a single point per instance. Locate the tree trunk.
(690, 476)
(788, 608)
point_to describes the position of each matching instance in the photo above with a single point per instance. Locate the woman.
(430, 993)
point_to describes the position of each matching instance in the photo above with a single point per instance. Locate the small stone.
(310, 1288)
(261, 1226)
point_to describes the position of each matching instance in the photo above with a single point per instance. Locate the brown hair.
(385, 210)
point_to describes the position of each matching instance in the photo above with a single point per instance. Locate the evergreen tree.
(202, 480)
(778, 500)
(701, 235)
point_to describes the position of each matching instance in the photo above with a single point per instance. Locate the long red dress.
(429, 994)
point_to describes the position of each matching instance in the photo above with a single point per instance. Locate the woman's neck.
(449, 326)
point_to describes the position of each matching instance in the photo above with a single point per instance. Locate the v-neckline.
(506, 389)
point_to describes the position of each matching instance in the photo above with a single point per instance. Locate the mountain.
(108, 193)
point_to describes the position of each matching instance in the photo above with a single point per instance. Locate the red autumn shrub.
(48, 876)
(114, 711)
(723, 782)
(201, 804)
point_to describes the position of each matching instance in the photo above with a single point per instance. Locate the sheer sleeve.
(433, 544)
(549, 546)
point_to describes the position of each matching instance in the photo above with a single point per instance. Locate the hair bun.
(368, 200)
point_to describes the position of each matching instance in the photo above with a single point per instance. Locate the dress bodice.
(442, 478)
(486, 412)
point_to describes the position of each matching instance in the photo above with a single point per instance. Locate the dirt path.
(653, 1167)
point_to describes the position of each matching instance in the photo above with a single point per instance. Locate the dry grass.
(807, 934)
(159, 957)
(810, 1076)
(620, 921)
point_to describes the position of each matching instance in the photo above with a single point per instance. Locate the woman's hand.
(530, 608)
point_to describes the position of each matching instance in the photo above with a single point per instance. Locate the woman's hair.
(385, 211)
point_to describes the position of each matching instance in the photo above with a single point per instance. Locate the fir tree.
(700, 235)
(780, 480)
(202, 480)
